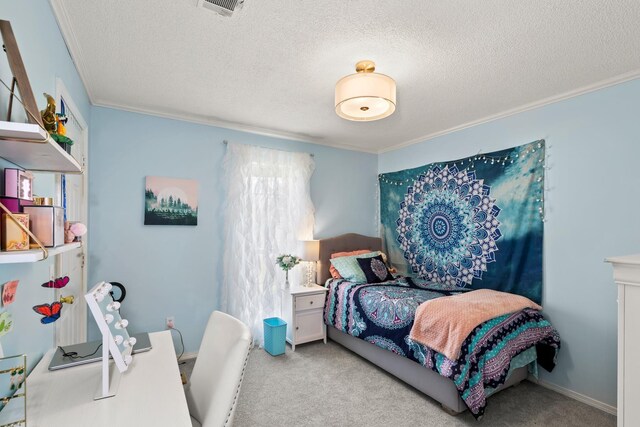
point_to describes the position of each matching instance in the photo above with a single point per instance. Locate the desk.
(150, 392)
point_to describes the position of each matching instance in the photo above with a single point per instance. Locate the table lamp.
(311, 254)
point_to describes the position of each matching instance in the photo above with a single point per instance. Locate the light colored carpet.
(327, 385)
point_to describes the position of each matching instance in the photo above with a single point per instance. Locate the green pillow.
(349, 268)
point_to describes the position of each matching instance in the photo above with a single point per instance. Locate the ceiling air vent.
(222, 7)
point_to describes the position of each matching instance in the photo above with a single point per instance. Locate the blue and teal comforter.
(383, 314)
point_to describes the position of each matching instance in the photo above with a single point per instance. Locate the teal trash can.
(275, 335)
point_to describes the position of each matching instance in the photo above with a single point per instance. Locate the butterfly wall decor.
(50, 312)
(58, 283)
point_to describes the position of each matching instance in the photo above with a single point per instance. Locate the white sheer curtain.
(268, 212)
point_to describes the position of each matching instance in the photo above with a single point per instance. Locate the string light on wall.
(470, 163)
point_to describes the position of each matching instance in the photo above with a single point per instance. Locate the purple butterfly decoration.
(58, 283)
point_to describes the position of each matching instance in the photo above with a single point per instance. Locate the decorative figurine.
(61, 121)
(55, 124)
(49, 114)
(73, 231)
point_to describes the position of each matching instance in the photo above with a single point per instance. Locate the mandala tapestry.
(469, 223)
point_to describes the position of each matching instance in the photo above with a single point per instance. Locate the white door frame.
(63, 92)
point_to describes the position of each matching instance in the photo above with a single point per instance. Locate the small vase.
(286, 282)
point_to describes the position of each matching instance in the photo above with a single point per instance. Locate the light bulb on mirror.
(108, 318)
(113, 306)
(128, 359)
(130, 342)
(122, 324)
(118, 339)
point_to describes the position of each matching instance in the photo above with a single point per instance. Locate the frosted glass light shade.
(311, 250)
(365, 96)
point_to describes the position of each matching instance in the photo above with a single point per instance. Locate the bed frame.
(425, 380)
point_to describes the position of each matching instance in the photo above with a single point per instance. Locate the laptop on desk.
(89, 352)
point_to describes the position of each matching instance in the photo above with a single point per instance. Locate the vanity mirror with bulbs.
(149, 393)
(115, 337)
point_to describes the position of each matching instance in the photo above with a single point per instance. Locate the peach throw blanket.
(443, 324)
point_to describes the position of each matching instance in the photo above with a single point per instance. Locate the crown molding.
(531, 106)
(75, 51)
(299, 137)
(315, 140)
(77, 56)
(70, 39)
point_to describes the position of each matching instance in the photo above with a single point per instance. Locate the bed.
(411, 364)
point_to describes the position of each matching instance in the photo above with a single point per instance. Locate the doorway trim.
(63, 93)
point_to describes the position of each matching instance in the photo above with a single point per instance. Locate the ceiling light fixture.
(365, 95)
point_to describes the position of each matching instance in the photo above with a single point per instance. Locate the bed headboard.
(343, 243)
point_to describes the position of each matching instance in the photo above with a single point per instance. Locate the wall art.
(170, 201)
(9, 292)
(469, 223)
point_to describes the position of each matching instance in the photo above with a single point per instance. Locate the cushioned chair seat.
(215, 383)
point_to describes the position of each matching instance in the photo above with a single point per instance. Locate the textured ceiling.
(273, 66)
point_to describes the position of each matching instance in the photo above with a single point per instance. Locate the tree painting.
(170, 201)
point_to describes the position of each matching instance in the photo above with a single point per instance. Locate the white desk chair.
(215, 383)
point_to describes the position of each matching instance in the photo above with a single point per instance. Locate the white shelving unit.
(18, 147)
(35, 255)
(47, 156)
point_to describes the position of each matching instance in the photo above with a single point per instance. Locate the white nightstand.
(302, 309)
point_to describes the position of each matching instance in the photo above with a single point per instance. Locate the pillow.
(349, 268)
(375, 269)
(332, 269)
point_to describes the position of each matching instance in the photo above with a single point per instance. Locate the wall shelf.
(48, 156)
(35, 255)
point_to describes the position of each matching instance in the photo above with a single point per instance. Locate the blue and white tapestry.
(470, 223)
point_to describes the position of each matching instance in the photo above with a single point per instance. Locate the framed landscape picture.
(170, 201)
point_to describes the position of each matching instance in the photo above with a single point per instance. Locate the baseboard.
(609, 409)
(188, 356)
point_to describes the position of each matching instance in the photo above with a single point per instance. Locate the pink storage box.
(18, 184)
(11, 203)
(47, 223)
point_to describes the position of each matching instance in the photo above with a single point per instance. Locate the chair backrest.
(217, 375)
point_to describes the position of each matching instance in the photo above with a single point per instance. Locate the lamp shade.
(365, 95)
(311, 250)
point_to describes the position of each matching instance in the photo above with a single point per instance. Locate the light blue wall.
(592, 212)
(592, 208)
(127, 148)
(45, 57)
(176, 270)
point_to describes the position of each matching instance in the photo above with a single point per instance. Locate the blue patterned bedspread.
(383, 314)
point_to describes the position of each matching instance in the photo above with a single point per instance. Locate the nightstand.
(302, 309)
